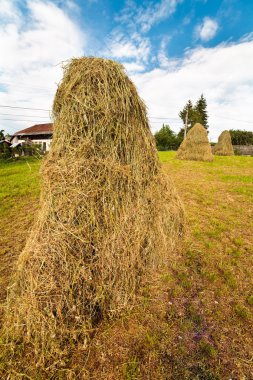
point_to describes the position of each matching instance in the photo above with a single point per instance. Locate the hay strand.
(195, 146)
(108, 216)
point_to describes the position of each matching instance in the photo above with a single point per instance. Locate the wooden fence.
(244, 150)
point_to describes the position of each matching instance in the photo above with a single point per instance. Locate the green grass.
(19, 181)
(131, 370)
(19, 193)
(194, 320)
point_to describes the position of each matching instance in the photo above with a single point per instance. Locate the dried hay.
(224, 145)
(107, 216)
(195, 146)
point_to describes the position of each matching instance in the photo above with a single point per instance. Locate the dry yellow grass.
(224, 146)
(195, 146)
(108, 217)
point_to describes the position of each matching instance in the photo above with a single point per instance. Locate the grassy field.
(19, 192)
(195, 320)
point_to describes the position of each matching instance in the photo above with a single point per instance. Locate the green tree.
(5, 150)
(195, 114)
(201, 109)
(1, 134)
(180, 137)
(191, 114)
(166, 139)
(239, 137)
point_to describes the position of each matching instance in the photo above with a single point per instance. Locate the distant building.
(38, 134)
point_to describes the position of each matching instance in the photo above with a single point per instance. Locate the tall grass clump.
(108, 216)
(195, 146)
(224, 145)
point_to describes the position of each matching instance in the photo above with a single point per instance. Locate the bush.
(5, 151)
(28, 149)
(31, 149)
(166, 139)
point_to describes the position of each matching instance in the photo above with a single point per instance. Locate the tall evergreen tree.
(193, 115)
(182, 114)
(200, 107)
(196, 114)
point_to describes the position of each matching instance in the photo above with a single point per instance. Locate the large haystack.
(224, 146)
(107, 216)
(195, 146)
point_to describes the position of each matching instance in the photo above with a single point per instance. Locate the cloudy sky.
(174, 50)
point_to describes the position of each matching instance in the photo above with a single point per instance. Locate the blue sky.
(176, 27)
(172, 49)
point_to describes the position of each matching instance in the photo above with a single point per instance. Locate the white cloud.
(147, 16)
(156, 13)
(224, 74)
(134, 47)
(8, 11)
(33, 45)
(32, 49)
(162, 56)
(133, 67)
(207, 30)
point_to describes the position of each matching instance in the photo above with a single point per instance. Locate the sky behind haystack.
(172, 49)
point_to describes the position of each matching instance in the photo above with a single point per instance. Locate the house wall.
(46, 141)
(15, 140)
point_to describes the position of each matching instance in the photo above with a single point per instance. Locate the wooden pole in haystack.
(186, 123)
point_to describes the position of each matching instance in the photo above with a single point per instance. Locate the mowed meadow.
(193, 321)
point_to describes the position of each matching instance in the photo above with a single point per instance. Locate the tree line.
(167, 139)
(239, 137)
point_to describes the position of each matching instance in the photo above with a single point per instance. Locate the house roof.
(37, 129)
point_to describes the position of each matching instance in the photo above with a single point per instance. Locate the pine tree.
(182, 114)
(193, 115)
(200, 108)
(196, 114)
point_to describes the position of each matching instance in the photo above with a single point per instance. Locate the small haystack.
(107, 217)
(224, 145)
(195, 146)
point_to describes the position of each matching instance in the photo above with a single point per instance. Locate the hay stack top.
(224, 146)
(195, 146)
(98, 102)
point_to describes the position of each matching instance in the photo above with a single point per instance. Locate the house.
(38, 134)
